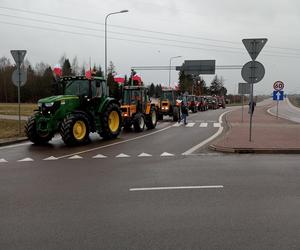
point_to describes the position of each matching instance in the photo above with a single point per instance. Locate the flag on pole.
(57, 70)
(137, 78)
(88, 74)
(119, 78)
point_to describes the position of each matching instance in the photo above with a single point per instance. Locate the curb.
(255, 150)
(9, 141)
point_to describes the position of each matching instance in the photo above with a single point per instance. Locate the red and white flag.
(120, 78)
(137, 78)
(88, 74)
(57, 70)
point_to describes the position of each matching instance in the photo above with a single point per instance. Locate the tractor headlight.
(49, 104)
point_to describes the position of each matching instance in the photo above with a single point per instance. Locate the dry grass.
(27, 109)
(295, 100)
(10, 128)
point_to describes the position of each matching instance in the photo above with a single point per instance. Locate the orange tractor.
(137, 110)
(168, 105)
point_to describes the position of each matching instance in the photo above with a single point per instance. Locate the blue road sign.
(278, 95)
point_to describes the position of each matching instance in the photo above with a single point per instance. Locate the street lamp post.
(105, 40)
(173, 57)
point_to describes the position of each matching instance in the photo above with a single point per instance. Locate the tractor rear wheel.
(175, 114)
(33, 135)
(151, 119)
(111, 122)
(139, 122)
(75, 129)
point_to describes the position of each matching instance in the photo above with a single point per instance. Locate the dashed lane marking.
(176, 188)
(144, 155)
(75, 157)
(203, 124)
(2, 160)
(51, 158)
(165, 154)
(122, 156)
(99, 156)
(177, 124)
(25, 160)
(217, 125)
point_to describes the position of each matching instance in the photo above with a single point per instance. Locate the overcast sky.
(155, 30)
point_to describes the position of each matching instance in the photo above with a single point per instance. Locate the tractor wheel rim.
(113, 121)
(142, 122)
(153, 117)
(79, 130)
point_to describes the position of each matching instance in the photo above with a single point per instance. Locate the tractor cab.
(137, 109)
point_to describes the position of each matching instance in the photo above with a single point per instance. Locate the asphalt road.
(215, 201)
(286, 110)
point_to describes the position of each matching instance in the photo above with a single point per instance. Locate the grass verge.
(10, 128)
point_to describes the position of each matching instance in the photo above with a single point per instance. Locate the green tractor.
(84, 107)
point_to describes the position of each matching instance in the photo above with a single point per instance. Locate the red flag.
(57, 70)
(120, 78)
(137, 78)
(88, 74)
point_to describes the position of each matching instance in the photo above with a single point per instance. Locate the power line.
(135, 41)
(135, 28)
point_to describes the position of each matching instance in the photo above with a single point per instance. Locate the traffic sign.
(254, 46)
(198, 67)
(18, 56)
(278, 85)
(278, 95)
(19, 76)
(253, 72)
(244, 88)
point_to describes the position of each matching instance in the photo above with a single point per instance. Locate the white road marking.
(75, 157)
(25, 159)
(2, 160)
(122, 156)
(177, 124)
(144, 155)
(176, 188)
(164, 154)
(99, 156)
(203, 124)
(51, 158)
(190, 124)
(217, 125)
(201, 144)
(115, 143)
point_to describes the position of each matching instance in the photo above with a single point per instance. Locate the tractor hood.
(52, 99)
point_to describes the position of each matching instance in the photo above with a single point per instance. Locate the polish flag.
(137, 78)
(120, 78)
(57, 70)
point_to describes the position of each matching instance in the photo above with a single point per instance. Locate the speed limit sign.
(278, 85)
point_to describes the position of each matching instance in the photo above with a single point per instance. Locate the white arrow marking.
(3, 160)
(25, 159)
(203, 124)
(166, 154)
(278, 96)
(217, 125)
(75, 157)
(99, 156)
(51, 158)
(122, 156)
(144, 155)
(190, 124)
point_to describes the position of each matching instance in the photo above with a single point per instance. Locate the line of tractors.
(83, 106)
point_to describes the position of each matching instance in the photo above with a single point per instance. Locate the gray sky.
(146, 35)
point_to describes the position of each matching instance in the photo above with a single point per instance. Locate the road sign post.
(277, 96)
(253, 71)
(19, 77)
(244, 89)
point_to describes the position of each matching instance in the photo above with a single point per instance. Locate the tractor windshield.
(167, 95)
(82, 87)
(131, 96)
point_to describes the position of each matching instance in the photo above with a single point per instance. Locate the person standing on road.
(184, 112)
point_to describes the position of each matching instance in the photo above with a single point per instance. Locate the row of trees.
(40, 81)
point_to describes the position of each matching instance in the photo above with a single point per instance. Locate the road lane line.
(175, 188)
(203, 125)
(177, 124)
(25, 160)
(217, 125)
(190, 124)
(115, 143)
(201, 144)
(166, 154)
(122, 156)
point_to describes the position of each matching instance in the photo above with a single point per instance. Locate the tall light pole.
(105, 40)
(173, 57)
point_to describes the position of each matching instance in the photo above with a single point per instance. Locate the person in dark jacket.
(184, 112)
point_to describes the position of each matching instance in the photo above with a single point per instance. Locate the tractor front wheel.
(75, 129)
(139, 122)
(111, 122)
(151, 119)
(33, 135)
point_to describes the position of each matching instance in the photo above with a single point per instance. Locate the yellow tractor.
(168, 105)
(137, 110)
